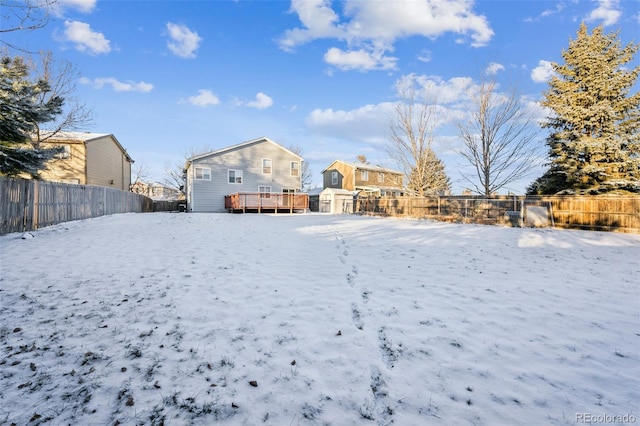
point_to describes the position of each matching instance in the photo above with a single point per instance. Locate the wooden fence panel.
(607, 213)
(26, 204)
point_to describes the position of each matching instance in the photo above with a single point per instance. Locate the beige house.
(89, 159)
(156, 191)
(373, 180)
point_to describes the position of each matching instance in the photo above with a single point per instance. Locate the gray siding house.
(256, 166)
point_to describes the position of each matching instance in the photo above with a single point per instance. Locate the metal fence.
(606, 213)
(26, 204)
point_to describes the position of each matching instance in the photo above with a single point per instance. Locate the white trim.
(335, 181)
(237, 174)
(270, 167)
(205, 171)
(297, 169)
(264, 191)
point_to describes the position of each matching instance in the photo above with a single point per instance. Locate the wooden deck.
(266, 202)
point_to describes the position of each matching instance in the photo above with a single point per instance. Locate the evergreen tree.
(21, 110)
(430, 177)
(594, 145)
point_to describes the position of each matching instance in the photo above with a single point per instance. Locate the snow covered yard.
(313, 319)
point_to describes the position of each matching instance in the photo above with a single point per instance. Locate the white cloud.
(182, 41)
(494, 68)
(548, 12)
(118, 86)
(542, 73)
(204, 98)
(359, 60)
(424, 56)
(365, 124)
(608, 12)
(262, 101)
(442, 92)
(318, 20)
(84, 6)
(370, 28)
(85, 38)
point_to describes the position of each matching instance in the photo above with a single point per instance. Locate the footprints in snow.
(351, 277)
(380, 407)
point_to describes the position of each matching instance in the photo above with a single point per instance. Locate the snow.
(169, 318)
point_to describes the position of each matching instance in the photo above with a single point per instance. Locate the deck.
(266, 202)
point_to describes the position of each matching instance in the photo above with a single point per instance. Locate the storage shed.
(336, 201)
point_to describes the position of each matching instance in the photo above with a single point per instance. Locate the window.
(265, 191)
(235, 176)
(364, 175)
(203, 173)
(380, 177)
(266, 166)
(66, 152)
(334, 178)
(295, 168)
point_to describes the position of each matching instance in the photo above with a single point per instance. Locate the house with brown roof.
(88, 159)
(362, 177)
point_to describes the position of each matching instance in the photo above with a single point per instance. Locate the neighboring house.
(89, 159)
(373, 180)
(259, 166)
(156, 191)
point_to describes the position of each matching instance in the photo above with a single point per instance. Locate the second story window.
(380, 177)
(203, 173)
(295, 168)
(334, 178)
(234, 176)
(364, 175)
(66, 152)
(266, 166)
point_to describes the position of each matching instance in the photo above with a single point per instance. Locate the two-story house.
(89, 159)
(361, 177)
(259, 167)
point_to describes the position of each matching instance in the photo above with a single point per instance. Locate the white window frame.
(334, 178)
(66, 153)
(265, 191)
(237, 174)
(294, 168)
(205, 173)
(267, 169)
(380, 177)
(364, 175)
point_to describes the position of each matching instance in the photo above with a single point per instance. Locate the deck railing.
(269, 201)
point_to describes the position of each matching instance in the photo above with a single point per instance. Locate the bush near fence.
(602, 213)
(27, 204)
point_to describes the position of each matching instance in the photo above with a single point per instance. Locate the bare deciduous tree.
(61, 77)
(411, 135)
(175, 172)
(24, 15)
(305, 173)
(499, 140)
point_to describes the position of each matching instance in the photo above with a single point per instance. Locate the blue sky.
(168, 78)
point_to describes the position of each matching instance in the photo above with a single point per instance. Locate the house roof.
(240, 145)
(363, 166)
(81, 137)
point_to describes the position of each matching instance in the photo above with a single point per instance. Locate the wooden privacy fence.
(26, 204)
(605, 213)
